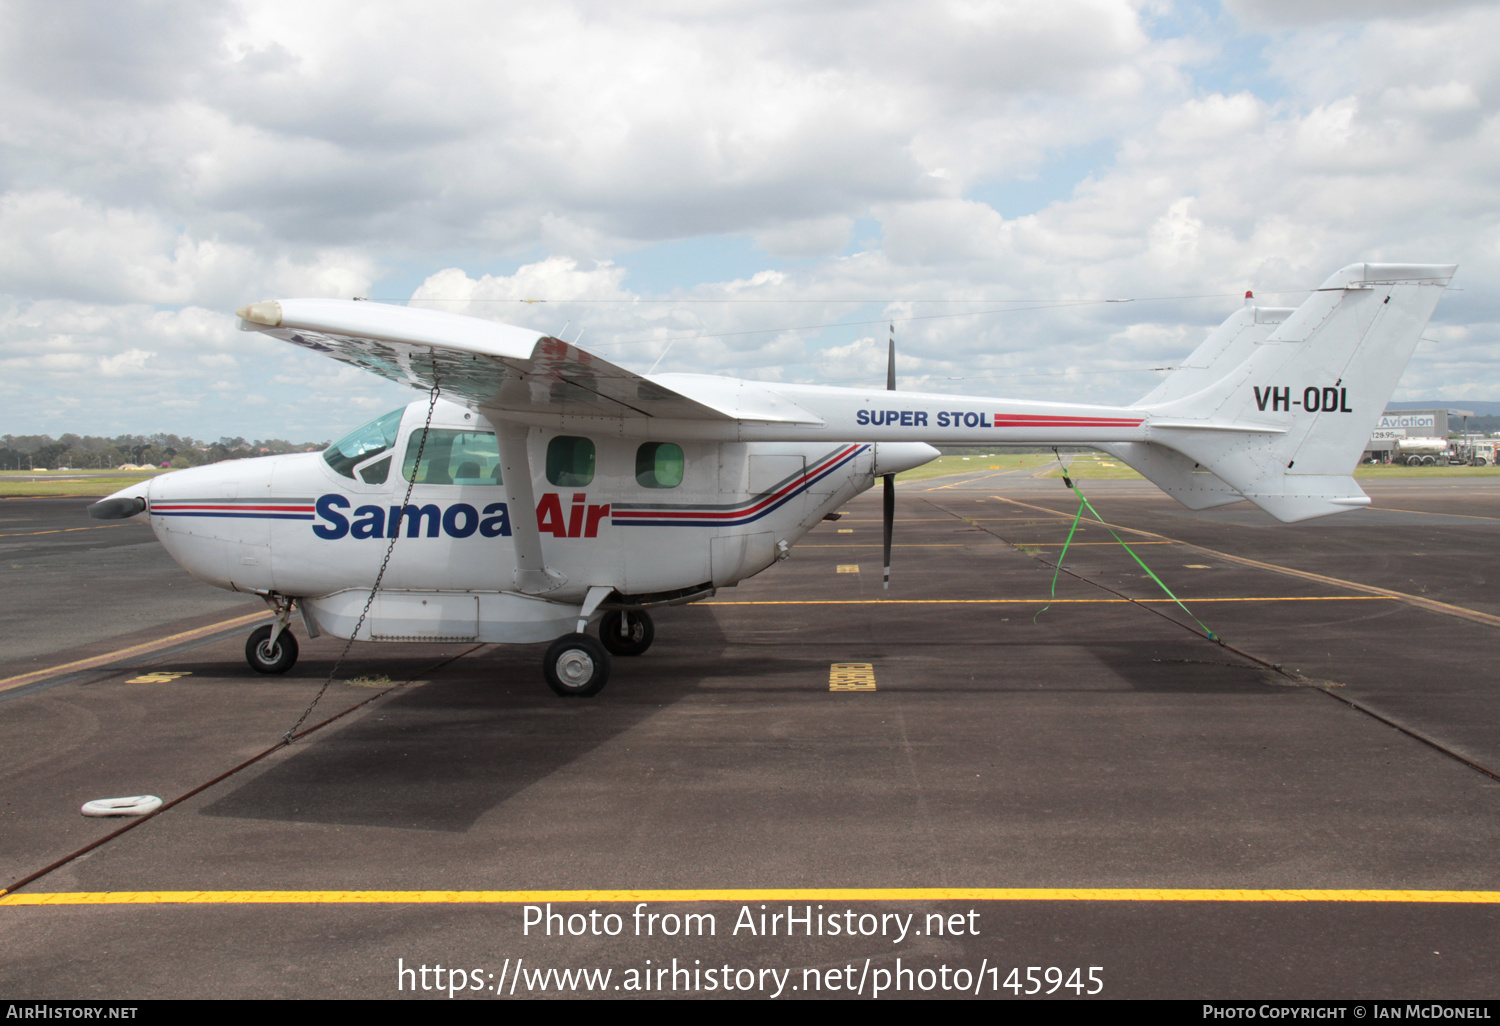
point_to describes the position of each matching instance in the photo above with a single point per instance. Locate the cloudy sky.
(749, 187)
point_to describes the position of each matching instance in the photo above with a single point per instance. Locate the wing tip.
(267, 312)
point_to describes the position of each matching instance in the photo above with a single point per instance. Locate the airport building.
(1396, 425)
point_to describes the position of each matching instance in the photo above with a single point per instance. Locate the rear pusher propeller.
(889, 510)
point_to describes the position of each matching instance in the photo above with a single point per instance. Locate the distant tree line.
(92, 452)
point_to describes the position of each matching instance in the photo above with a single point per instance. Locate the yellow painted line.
(750, 894)
(969, 480)
(1044, 601)
(847, 568)
(1461, 612)
(120, 653)
(44, 495)
(1054, 545)
(65, 530)
(1433, 513)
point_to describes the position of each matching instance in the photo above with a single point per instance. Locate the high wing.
(493, 366)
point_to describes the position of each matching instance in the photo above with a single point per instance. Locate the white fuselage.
(293, 526)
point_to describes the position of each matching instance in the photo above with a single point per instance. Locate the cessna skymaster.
(538, 489)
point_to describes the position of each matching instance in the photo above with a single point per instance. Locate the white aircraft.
(549, 488)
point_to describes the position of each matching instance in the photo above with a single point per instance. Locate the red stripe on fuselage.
(735, 514)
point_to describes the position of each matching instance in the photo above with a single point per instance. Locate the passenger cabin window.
(570, 461)
(362, 445)
(452, 458)
(658, 465)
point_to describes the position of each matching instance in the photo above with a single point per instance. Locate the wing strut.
(533, 576)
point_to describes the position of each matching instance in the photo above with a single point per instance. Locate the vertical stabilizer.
(1286, 426)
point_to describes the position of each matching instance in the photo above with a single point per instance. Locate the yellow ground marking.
(1461, 612)
(1142, 894)
(847, 568)
(65, 530)
(68, 496)
(969, 481)
(846, 530)
(146, 646)
(1044, 601)
(159, 677)
(851, 677)
(1196, 566)
(1057, 545)
(906, 520)
(1432, 513)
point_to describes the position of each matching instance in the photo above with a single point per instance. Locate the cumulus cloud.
(162, 164)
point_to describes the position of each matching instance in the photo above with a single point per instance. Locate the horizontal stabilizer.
(1194, 486)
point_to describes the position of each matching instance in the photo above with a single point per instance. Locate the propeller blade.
(890, 520)
(890, 479)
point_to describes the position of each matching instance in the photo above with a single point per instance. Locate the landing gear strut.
(627, 633)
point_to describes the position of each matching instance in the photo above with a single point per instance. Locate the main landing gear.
(577, 665)
(628, 632)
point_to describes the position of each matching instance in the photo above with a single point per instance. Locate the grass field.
(68, 482)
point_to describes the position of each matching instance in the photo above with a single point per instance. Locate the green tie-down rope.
(1083, 504)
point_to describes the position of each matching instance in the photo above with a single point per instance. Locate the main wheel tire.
(639, 632)
(576, 666)
(264, 659)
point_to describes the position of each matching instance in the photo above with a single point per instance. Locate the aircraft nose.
(894, 457)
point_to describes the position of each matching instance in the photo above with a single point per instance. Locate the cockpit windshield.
(360, 444)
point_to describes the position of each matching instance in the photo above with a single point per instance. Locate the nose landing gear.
(273, 648)
(267, 656)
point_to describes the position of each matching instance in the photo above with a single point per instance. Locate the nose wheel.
(265, 656)
(576, 666)
(627, 633)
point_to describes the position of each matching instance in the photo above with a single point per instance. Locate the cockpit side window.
(362, 443)
(453, 458)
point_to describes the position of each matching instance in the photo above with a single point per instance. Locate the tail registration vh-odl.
(539, 488)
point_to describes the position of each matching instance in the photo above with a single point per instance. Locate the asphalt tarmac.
(1095, 786)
